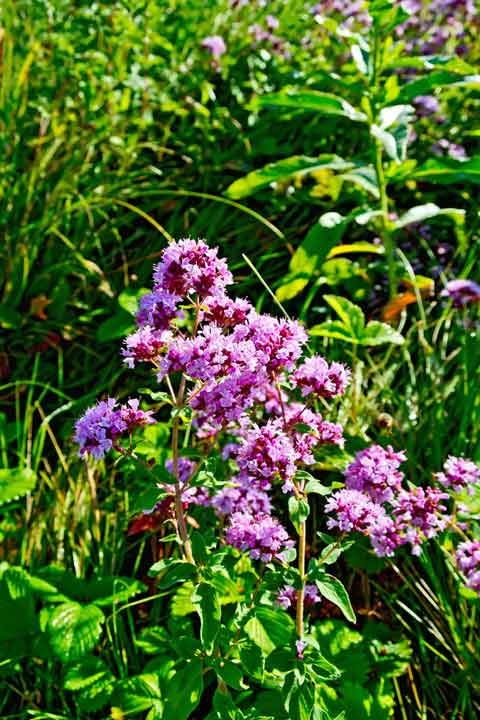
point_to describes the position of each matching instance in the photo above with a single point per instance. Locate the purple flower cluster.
(375, 472)
(190, 267)
(436, 24)
(459, 474)
(461, 292)
(287, 596)
(375, 503)
(98, 430)
(354, 510)
(261, 535)
(452, 150)
(266, 35)
(468, 561)
(419, 515)
(316, 376)
(215, 44)
(232, 361)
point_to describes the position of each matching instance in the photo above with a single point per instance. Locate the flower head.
(462, 292)
(191, 266)
(215, 44)
(100, 426)
(144, 345)
(468, 560)
(375, 471)
(316, 376)
(354, 510)
(261, 534)
(158, 309)
(459, 474)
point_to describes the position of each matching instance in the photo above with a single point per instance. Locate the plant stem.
(301, 571)
(387, 238)
(181, 524)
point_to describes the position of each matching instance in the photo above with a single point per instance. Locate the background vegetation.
(118, 130)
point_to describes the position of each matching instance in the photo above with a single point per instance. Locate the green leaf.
(252, 660)
(350, 314)
(332, 552)
(298, 510)
(333, 329)
(300, 699)
(295, 166)
(138, 694)
(184, 691)
(129, 299)
(364, 177)
(17, 606)
(315, 486)
(207, 605)
(115, 327)
(312, 100)
(93, 681)
(15, 483)
(432, 81)
(378, 333)
(447, 171)
(231, 673)
(176, 571)
(357, 247)
(332, 589)
(74, 630)
(319, 241)
(419, 213)
(387, 15)
(269, 628)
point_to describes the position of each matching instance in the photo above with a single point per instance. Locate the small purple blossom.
(186, 468)
(98, 429)
(225, 311)
(287, 596)
(385, 537)
(242, 497)
(158, 309)
(459, 474)
(144, 345)
(266, 454)
(300, 646)
(467, 557)
(355, 511)
(461, 292)
(215, 44)
(278, 343)
(453, 150)
(261, 535)
(375, 471)
(190, 266)
(420, 515)
(426, 105)
(316, 376)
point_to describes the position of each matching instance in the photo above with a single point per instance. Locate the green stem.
(181, 523)
(387, 237)
(301, 572)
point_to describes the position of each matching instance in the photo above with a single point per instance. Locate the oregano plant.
(242, 398)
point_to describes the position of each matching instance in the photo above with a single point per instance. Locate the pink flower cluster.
(261, 535)
(287, 596)
(468, 561)
(242, 374)
(459, 474)
(98, 430)
(375, 503)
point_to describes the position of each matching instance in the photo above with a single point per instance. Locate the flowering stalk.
(301, 571)
(181, 524)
